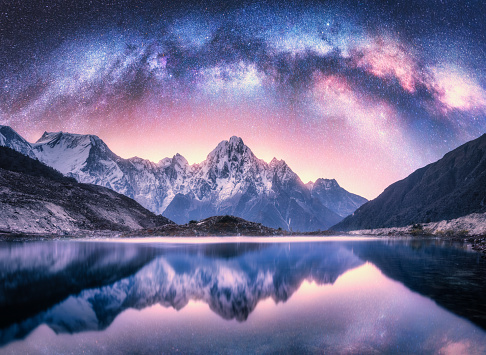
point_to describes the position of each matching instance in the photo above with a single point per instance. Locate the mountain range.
(231, 181)
(452, 187)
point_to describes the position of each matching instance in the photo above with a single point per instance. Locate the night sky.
(361, 91)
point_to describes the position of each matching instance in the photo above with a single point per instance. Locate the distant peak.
(71, 140)
(327, 183)
(277, 163)
(179, 159)
(164, 162)
(49, 136)
(68, 134)
(232, 142)
(46, 134)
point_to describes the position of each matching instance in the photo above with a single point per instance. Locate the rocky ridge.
(217, 226)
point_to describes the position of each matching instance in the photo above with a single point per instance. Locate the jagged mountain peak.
(277, 164)
(274, 162)
(282, 170)
(70, 152)
(164, 162)
(73, 142)
(231, 159)
(178, 165)
(335, 197)
(176, 161)
(179, 160)
(141, 164)
(48, 136)
(53, 138)
(233, 148)
(326, 184)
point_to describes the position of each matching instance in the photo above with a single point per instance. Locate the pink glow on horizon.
(194, 130)
(373, 126)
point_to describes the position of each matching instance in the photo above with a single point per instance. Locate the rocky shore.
(469, 229)
(479, 244)
(7, 236)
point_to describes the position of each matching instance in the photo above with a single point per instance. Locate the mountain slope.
(450, 188)
(231, 181)
(89, 160)
(36, 199)
(11, 139)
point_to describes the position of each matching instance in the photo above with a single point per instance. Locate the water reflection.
(74, 287)
(231, 286)
(452, 277)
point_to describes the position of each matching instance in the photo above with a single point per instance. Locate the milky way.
(364, 92)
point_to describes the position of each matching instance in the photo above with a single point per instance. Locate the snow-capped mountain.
(335, 197)
(35, 198)
(232, 180)
(84, 157)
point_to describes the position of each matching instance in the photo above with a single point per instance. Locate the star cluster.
(364, 92)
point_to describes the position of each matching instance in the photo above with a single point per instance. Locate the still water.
(245, 296)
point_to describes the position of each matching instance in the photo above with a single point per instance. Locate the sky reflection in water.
(236, 298)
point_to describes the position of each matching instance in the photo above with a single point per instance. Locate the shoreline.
(476, 242)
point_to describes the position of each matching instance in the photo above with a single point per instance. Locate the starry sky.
(361, 91)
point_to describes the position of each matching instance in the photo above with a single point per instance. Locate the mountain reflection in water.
(79, 286)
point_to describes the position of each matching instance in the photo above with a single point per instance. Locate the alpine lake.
(332, 295)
